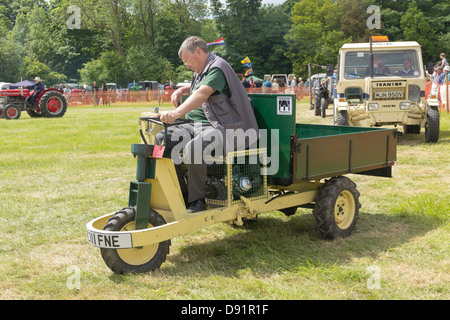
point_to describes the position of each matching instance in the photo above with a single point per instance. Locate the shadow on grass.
(275, 244)
(419, 139)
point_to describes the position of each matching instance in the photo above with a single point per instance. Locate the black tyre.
(11, 112)
(34, 113)
(134, 260)
(432, 127)
(323, 107)
(342, 118)
(289, 211)
(337, 208)
(317, 106)
(53, 104)
(414, 129)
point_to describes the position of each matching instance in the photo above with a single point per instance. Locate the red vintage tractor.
(51, 103)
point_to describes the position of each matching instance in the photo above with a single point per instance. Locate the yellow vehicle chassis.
(234, 214)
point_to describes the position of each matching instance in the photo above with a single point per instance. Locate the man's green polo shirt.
(216, 80)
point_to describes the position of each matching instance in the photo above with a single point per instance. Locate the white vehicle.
(392, 92)
(4, 85)
(282, 79)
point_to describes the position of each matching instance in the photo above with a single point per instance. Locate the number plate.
(389, 95)
(110, 241)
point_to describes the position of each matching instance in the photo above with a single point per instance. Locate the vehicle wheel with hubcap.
(11, 112)
(337, 208)
(134, 260)
(53, 104)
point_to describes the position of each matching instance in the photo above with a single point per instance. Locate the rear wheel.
(53, 104)
(337, 208)
(134, 260)
(317, 104)
(11, 112)
(323, 107)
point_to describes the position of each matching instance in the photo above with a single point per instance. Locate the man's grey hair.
(192, 43)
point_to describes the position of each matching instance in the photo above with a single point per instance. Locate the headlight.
(404, 106)
(372, 106)
(414, 93)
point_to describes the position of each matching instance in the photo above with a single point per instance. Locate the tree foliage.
(125, 40)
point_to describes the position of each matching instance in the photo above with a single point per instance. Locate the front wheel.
(337, 208)
(134, 260)
(11, 112)
(432, 127)
(342, 118)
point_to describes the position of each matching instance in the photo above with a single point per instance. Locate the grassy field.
(58, 174)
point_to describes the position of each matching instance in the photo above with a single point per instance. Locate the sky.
(275, 2)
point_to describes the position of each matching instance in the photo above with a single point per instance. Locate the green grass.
(58, 174)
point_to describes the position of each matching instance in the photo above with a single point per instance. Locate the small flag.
(246, 60)
(218, 42)
(249, 72)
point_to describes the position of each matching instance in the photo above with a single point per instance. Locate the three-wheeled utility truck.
(383, 83)
(294, 165)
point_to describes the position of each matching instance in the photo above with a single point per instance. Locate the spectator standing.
(275, 86)
(104, 94)
(245, 83)
(447, 74)
(439, 76)
(293, 82)
(95, 97)
(444, 62)
(266, 85)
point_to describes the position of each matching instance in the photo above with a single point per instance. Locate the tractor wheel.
(323, 107)
(134, 260)
(53, 104)
(317, 105)
(34, 113)
(11, 112)
(432, 127)
(342, 118)
(337, 208)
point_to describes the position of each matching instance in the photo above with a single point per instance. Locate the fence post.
(446, 93)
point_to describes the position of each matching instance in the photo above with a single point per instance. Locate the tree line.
(133, 40)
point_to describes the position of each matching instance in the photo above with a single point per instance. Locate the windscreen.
(402, 63)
